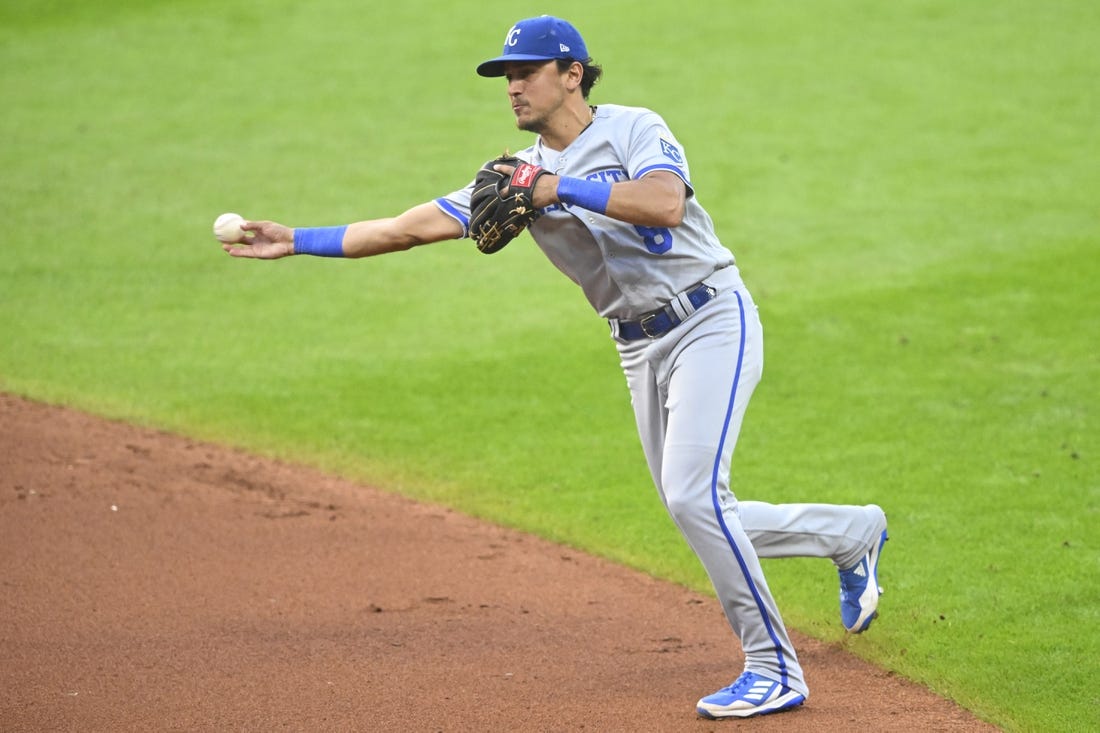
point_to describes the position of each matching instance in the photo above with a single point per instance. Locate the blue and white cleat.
(749, 695)
(859, 590)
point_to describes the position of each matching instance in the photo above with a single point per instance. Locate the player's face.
(537, 92)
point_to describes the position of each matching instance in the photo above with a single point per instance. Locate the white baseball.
(227, 228)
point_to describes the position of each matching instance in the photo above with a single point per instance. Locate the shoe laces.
(745, 680)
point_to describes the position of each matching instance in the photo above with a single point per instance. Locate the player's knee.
(687, 479)
(689, 507)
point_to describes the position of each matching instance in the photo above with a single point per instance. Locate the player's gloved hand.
(502, 204)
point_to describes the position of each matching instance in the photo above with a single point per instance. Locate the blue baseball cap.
(538, 39)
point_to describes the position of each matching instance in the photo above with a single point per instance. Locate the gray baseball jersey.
(624, 270)
(690, 386)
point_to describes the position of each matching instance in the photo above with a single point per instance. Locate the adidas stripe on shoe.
(860, 591)
(749, 695)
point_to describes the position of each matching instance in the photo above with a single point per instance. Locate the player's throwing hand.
(269, 241)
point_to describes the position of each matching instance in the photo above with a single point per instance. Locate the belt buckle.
(644, 322)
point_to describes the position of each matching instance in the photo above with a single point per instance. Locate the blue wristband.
(591, 195)
(320, 241)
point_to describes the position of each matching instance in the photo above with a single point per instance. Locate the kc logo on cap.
(537, 39)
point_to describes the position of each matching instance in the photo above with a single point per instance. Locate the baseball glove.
(496, 220)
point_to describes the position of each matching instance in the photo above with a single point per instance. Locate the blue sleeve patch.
(671, 152)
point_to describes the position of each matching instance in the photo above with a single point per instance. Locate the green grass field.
(910, 188)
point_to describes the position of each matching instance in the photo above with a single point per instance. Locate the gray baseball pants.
(690, 389)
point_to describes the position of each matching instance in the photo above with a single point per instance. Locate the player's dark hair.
(592, 73)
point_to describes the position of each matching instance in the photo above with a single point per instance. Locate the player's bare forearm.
(423, 224)
(655, 200)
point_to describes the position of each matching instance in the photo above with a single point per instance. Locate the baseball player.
(607, 196)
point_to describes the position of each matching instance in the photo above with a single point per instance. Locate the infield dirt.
(153, 583)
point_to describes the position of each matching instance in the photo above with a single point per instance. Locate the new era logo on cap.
(537, 39)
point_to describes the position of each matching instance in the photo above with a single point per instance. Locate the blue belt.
(658, 322)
